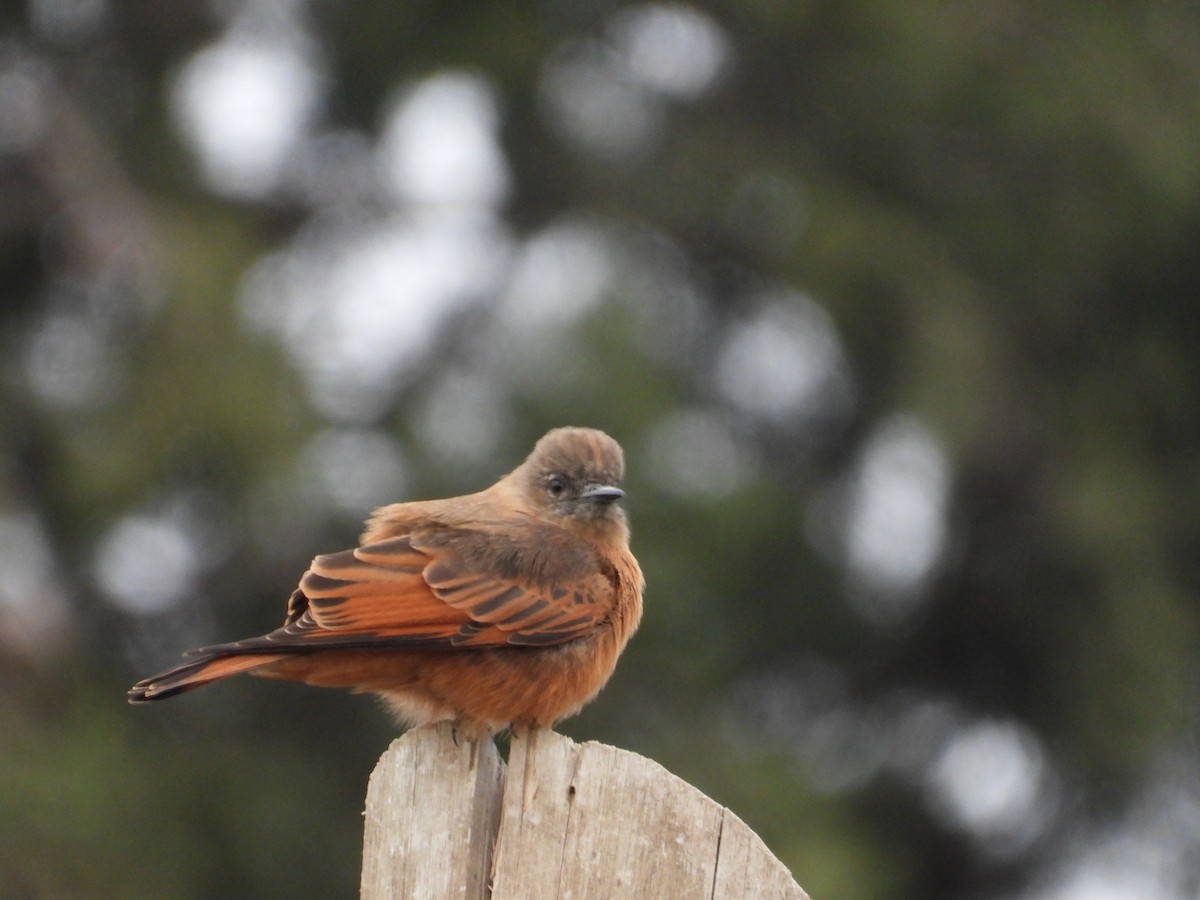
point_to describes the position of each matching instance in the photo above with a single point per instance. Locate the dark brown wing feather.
(446, 587)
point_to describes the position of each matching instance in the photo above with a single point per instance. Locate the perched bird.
(505, 608)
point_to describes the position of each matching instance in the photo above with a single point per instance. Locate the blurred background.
(893, 306)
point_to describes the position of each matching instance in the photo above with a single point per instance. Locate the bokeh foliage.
(980, 219)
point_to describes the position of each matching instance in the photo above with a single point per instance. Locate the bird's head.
(575, 474)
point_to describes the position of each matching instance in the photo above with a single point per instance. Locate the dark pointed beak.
(603, 493)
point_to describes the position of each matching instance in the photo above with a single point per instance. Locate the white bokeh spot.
(440, 144)
(895, 518)
(243, 105)
(147, 563)
(671, 49)
(990, 779)
(784, 363)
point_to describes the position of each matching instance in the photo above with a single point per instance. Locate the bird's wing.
(541, 586)
(447, 587)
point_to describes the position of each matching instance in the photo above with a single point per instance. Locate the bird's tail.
(211, 666)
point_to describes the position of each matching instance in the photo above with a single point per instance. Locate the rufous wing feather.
(429, 589)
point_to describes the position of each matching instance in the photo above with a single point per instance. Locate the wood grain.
(432, 813)
(563, 820)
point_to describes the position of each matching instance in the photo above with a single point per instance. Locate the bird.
(503, 609)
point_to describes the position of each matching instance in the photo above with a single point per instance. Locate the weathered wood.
(432, 813)
(534, 815)
(746, 868)
(567, 821)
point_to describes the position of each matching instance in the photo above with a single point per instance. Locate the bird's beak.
(603, 493)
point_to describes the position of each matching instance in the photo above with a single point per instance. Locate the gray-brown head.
(576, 474)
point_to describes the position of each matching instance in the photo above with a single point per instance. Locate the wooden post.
(562, 820)
(433, 808)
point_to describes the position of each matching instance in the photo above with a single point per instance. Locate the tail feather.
(194, 674)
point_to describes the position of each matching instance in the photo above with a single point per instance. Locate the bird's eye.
(557, 486)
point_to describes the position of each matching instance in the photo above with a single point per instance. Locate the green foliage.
(960, 234)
